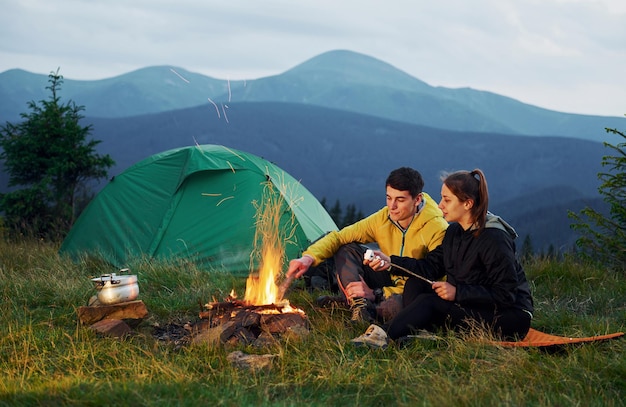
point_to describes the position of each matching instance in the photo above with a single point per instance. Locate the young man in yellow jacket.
(409, 225)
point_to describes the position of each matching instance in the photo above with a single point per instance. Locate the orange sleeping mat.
(536, 338)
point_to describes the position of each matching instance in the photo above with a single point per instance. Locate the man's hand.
(359, 289)
(379, 262)
(297, 267)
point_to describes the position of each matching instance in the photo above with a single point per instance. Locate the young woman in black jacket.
(476, 278)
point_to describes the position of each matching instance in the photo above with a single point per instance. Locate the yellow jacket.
(424, 234)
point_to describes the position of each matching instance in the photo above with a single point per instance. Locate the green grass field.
(47, 358)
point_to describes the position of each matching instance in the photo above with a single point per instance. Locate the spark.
(229, 93)
(179, 75)
(216, 108)
(223, 110)
(234, 153)
(225, 199)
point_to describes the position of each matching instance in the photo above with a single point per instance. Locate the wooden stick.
(284, 286)
(412, 273)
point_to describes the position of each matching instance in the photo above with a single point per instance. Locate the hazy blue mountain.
(149, 90)
(341, 80)
(349, 81)
(346, 156)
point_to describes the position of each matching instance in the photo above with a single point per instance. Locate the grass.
(48, 358)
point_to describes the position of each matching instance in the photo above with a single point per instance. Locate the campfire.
(263, 315)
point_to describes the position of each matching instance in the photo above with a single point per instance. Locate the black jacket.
(483, 269)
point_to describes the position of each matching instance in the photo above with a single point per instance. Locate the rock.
(296, 332)
(252, 362)
(264, 340)
(111, 327)
(209, 336)
(279, 323)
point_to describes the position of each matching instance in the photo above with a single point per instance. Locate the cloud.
(559, 54)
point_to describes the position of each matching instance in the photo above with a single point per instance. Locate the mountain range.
(340, 122)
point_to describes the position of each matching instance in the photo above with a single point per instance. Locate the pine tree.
(350, 216)
(603, 237)
(335, 214)
(49, 160)
(527, 249)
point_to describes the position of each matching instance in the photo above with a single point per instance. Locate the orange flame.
(261, 288)
(271, 234)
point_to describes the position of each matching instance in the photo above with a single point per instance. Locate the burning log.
(219, 308)
(234, 322)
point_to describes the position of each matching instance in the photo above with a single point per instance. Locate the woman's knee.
(413, 288)
(513, 324)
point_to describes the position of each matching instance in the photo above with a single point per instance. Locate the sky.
(563, 55)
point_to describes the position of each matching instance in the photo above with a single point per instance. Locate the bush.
(604, 237)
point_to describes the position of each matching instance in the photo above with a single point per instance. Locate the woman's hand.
(445, 290)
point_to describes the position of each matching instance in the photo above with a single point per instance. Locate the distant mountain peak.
(358, 68)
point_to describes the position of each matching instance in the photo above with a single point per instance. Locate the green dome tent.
(198, 203)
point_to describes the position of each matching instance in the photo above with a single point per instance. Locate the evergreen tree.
(527, 249)
(551, 252)
(335, 214)
(48, 158)
(350, 216)
(604, 237)
(360, 215)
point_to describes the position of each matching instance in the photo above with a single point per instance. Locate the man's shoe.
(374, 337)
(360, 310)
(327, 301)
